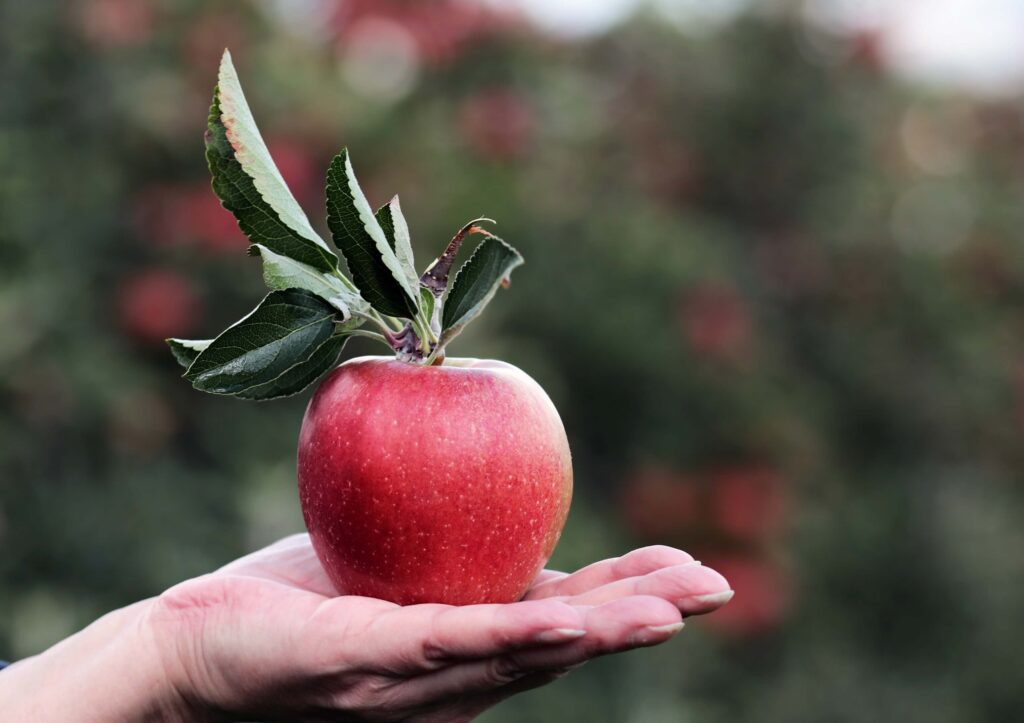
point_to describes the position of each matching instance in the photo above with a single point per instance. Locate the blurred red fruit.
(209, 222)
(191, 215)
(763, 595)
(114, 23)
(748, 501)
(157, 304)
(497, 124)
(867, 49)
(716, 321)
(657, 502)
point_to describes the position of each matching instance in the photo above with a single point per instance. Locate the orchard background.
(777, 295)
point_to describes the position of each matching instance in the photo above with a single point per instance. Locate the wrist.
(113, 670)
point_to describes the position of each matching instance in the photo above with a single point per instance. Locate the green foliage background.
(751, 255)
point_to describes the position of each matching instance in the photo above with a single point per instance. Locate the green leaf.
(429, 303)
(372, 262)
(281, 272)
(301, 375)
(396, 231)
(284, 330)
(185, 351)
(250, 185)
(476, 283)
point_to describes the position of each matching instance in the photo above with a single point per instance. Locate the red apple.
(445, 483)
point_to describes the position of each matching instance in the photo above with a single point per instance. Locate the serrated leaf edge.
(248, 145)
(195, 379)
(449, 333)
(403, 242)
(374, 230)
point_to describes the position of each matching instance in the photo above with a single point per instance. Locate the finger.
(548, 576)
(290, 561)
(637, 562)
(421, 638)
(691, 587)
(613, 627)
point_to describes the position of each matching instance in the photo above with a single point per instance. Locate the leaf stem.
(422, 332)
(368, 334)
(390, 322)
(436, 352)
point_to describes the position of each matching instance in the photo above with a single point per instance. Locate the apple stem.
(435, 278)
(406, 344)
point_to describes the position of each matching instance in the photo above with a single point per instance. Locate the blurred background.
(774, 284)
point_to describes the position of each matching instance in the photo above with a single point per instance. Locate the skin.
(267, 637)
(433, 483)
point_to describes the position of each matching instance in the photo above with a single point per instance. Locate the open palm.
(268, 636)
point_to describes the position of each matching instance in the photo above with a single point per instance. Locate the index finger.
(636, 563)
(419, 638)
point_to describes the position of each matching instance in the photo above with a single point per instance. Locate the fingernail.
(560, 635)
(653, 634)
(698, 604)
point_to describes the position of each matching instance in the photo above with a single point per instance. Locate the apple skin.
(441, 484)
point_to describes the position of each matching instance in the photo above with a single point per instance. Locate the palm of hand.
(267, 636)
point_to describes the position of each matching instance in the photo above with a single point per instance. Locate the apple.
(422, 478)
(446, 483)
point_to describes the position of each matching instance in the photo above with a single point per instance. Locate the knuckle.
(503, 670)
(364, 697)
(652, 555)
(433, 652)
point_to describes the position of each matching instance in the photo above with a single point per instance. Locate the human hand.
(268, 637)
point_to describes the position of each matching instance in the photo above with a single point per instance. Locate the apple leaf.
(372, 262)
(431, 309)
(476, 283)
(300, 375)
(435, 278)
(185, 351)
(396, 231)
(248, 182)
(283, 331)
(281, 272)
